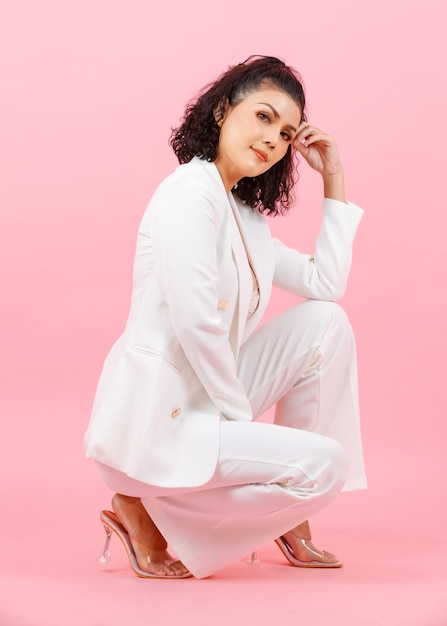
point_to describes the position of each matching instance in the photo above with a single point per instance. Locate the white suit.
(181, 373)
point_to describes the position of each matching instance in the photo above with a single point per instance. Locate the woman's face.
(255, 134)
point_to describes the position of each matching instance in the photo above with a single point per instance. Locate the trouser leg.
(269, 479)
(304, 361)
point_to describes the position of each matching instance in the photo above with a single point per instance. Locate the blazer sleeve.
(186, 229)
(323, 275)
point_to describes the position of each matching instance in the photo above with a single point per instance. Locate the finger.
(302, 149)
(308, 134)
(314, 135)
(303, 129)
(317, 137)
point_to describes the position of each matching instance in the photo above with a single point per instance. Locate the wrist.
(334, 186)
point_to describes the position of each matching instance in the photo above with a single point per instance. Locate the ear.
(220, 111)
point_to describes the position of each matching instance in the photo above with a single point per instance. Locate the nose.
(271, 140)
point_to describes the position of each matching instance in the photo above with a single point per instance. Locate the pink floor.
(394, 552)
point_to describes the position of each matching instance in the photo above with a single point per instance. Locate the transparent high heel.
(316, 558)
(253, 559)
(104, 557)
(112, 525)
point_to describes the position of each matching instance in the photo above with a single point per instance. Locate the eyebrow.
(276, 114)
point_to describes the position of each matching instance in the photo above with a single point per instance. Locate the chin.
(256, 170)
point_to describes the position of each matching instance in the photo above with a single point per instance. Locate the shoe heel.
(104, 557)
(252, 559)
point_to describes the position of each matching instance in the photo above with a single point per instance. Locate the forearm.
(324, 274)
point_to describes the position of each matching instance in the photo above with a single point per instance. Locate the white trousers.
(270, 477)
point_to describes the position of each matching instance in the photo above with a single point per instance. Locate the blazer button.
(176, 413)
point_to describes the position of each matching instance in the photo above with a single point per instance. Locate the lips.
(262, 156)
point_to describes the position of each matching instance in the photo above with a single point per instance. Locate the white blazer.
(172, 375)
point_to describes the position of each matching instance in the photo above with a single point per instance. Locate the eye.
(263, 117)
(286, 136)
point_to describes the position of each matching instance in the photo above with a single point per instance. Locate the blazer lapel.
(243, 270)
(257, 244)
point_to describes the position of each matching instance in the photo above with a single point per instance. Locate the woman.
(173, 430)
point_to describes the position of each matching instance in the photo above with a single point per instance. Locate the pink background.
(88, 93)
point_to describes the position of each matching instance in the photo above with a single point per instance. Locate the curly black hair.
(198, 132)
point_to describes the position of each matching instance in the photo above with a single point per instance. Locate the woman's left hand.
(319, 149)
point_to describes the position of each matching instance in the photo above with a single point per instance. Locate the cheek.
(280, 153)
(226, 142)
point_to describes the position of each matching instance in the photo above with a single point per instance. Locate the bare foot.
(299, 541)
(149, 545)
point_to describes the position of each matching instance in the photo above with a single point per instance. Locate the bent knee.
(327, 311)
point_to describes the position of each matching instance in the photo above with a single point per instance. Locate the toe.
(179, 568)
